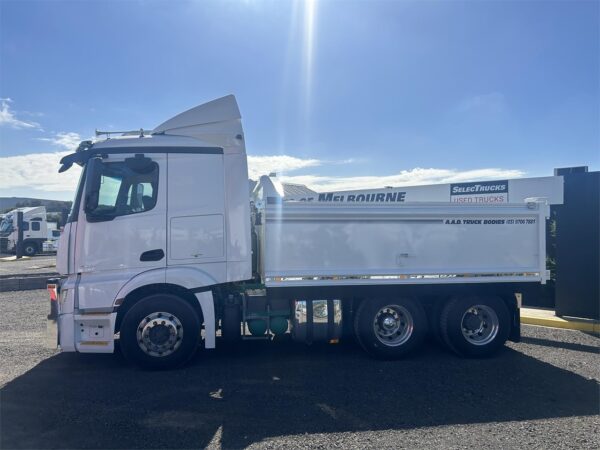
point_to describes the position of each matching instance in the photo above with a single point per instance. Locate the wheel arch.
(124, 304)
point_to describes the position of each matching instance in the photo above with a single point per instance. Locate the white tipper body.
(202, 221)
(335, 239)
(316, 245)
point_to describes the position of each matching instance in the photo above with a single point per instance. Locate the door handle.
(152, 255)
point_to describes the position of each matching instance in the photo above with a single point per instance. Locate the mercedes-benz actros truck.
(165, 251)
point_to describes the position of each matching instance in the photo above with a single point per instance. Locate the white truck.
(35, 230)
(164, 251)
(50, 245)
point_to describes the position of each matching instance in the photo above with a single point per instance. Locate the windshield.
(75, 206)
(6, 225)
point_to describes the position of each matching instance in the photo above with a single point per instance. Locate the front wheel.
(475, 326)
(29, 248)
(161, 331)
(390, 328)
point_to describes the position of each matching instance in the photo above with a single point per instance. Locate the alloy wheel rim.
(480, 325)
(393, 325)
(159, 334)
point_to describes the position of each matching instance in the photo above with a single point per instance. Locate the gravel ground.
(540, 393)
(37, 264)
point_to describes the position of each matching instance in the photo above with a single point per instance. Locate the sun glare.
(310, 8)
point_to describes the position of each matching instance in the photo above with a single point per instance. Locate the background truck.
(50, 245)
(164, 251)
(35, 230)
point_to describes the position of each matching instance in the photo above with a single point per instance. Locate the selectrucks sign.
(480, 192)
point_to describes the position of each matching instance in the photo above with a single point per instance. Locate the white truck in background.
(35, 230)
(50, 245)
(164, 251)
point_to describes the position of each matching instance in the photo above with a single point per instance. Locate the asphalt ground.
(28, 266)
(540, 393)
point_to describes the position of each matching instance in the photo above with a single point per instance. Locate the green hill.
(9, 203)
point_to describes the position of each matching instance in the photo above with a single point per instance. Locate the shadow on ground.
(260, 391)
(558, 344)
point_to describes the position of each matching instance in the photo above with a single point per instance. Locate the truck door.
(196, 211)
(121, 229)
(39, 228)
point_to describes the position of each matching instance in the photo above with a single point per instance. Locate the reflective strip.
(400, 277)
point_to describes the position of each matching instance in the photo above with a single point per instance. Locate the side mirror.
(92, 184)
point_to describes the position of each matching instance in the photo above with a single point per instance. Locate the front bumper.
(73, 330)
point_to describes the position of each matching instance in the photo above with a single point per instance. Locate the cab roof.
(213, 127)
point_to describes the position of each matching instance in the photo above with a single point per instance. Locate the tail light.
(53, 287)
(53, 291)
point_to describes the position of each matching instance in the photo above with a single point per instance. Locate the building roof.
(295, 190)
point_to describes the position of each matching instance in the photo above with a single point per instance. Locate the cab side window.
(35, 226)
(125, 191)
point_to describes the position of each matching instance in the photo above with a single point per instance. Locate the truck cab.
(35, 230)
(162, 213)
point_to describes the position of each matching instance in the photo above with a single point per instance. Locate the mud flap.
(208, 312)
(515, 331)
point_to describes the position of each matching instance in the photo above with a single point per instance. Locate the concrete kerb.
(13, 258)
(25, 282)
(547, 318)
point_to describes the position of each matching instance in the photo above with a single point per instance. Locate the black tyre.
(475, 326)
(390, 328)
(161, 331)
(30, 248)
(434, 320)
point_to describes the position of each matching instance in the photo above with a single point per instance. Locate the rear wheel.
(161, 331)
(434, 320)
(475, 326)
(390, 328)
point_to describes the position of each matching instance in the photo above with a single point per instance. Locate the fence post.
(19, 249)
(64, 214)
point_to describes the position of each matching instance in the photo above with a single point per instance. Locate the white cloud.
(8, 117)
(40, 170)
(65, 140)
(413, 177)
(263, 165)
(37, 171)
(68, 141)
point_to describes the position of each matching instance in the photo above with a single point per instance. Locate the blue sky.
(336, 94)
